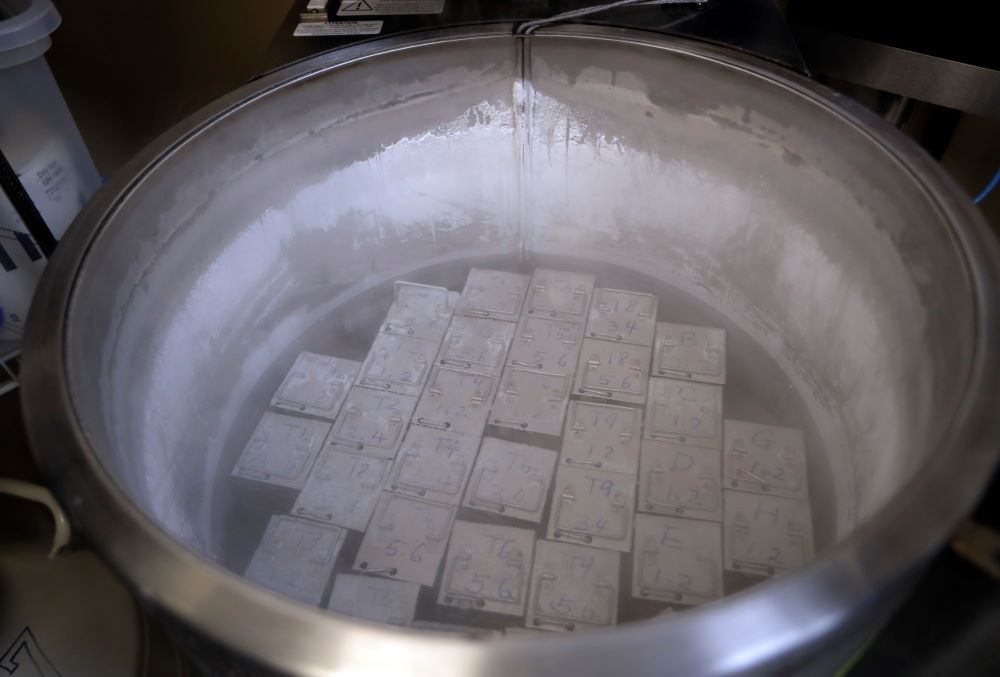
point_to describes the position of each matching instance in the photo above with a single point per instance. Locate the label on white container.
(21, 266)
(372, 7)
(308, 29)
(58, 194)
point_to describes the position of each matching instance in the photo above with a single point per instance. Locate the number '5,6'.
(392, 550)
(504, 591)
(561, 606)
(476, 585)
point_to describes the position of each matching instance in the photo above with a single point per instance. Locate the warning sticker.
(372, 7)
(317, 28)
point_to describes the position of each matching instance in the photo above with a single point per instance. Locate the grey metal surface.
(573, 587)
(399, 363)
(296, 557)
(605, 436)
(690, 353)
(531, 400)
(493, 294)
(546, 344)
(406, 539)
(559, 294)
(434, 464)
(374, 599)
(476, 344)
(966, 87)
(422, 311)
(487, 567)
(622, 316)
(765, 459)
(680, 479)
(511, 479)
(612, 371)
(281, 450)
(457, 631)
(456, 400)
(372, 422)
(677, 560)
(860, 268)
(316, 385)
(342, 488)
(766, 535)
(592, 507)
(686, 412)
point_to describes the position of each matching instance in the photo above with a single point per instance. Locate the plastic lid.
(29, 21)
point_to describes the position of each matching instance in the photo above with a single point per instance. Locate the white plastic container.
(42, 144)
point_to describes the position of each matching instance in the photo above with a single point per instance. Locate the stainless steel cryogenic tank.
(854, 283)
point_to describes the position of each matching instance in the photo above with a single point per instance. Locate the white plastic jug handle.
(39, 494)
